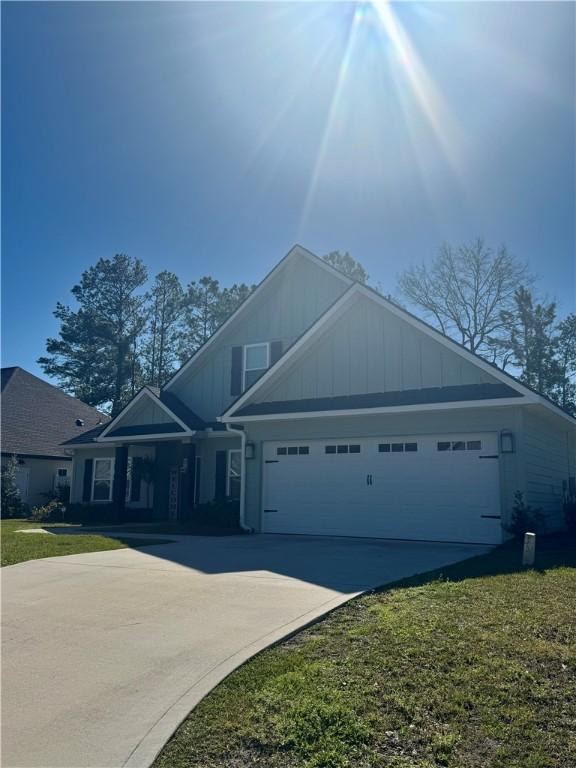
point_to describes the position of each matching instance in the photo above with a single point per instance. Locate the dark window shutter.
(220, 476)
(275, 351)
(236, 375)
(136, 479)
(87, 485)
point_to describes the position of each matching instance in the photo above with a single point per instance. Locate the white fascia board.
(504, 401)
(144, 392)
(140, 438)
(297, 250)
(276, 370)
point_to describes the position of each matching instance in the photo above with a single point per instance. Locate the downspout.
(242, 520)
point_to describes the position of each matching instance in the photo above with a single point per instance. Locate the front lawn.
(18, 547)
(471, 667)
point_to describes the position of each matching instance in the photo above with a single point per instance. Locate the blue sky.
(208, 138)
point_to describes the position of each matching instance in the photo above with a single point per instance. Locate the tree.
(166, 311)
(230, 299)
(201, 303)
(532, 343)
(565, 391)
(345, 263)
(97, 349)
(71, 356)
(465, 291)
(206, 307)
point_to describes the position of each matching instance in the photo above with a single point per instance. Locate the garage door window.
(459, 445)
(342, 449)
(397, 447)
(293, 450)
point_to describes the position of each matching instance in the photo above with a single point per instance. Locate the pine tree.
(201, 303)
(532, 341)
(565, 391)
(95, 357)
(347, 264)
(161, 347)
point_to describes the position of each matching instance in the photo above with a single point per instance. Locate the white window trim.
(112, 461)
(229, 464)
(246, 370)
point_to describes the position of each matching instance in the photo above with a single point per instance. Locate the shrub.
(569, 508)
(52, 512)
(12, 505)
(216, 514)
(524, 517)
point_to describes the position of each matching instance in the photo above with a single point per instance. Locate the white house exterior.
(326, 409)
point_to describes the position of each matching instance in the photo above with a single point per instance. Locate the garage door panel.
(425, 487)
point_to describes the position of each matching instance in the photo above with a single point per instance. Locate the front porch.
(149, 479)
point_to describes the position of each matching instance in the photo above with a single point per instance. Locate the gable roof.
(357, 289)
(296, 251)
(38, 417)
(183, 420)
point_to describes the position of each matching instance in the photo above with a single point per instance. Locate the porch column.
(188, 480)
(119, 487)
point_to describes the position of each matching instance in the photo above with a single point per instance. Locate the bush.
(525, 518)
(52, 512)
(12, 505)
(569, 509)
(216, 514)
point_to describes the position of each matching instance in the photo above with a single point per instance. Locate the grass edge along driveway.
(470, 667)
(21, 547)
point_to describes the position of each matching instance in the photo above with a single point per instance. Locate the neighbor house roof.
(38, 417)
(394, 399)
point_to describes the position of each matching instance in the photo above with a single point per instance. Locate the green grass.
(471, 667)
(19, 547)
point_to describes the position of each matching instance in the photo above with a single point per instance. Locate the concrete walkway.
(105, 653)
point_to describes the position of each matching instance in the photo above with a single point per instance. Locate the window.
(62, 472)
(256, 361)
(102, 480)
(342, 449)
(354, 448)
(330, 449)
(293, 450)
(460, 445)
(397, 447)
(234, 474)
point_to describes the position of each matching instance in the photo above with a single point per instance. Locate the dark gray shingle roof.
(383, 399)
(38, 417)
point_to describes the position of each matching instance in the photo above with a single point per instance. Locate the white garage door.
(437, 488)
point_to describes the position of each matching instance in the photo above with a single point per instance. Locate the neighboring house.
(326, 409)
(36, 419)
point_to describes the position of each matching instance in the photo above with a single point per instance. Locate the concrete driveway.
(105, 653)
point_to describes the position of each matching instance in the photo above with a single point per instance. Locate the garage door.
(437, 488)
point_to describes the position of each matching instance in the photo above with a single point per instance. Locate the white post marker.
(529, 552)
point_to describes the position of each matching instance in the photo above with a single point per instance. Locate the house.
(324, 408)
(36, 419)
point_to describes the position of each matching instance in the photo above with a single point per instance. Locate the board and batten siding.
(548, 446)
(488, 419)
(144, 412)
(293, 300)
(369, 349)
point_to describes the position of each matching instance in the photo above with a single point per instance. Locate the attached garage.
(443, 487)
